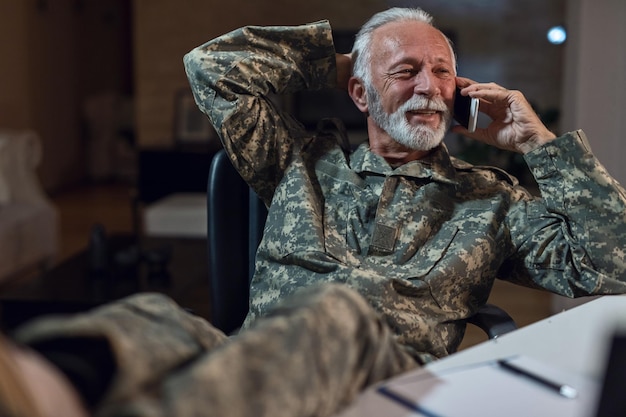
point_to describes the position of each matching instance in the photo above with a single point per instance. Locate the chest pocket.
(349, 205)
(466, 268)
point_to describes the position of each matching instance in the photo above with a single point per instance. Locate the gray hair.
(362, 51)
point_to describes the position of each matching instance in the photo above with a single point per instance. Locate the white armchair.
(28, 220)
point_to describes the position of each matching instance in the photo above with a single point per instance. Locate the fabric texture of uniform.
(422, 242)
(299, 361)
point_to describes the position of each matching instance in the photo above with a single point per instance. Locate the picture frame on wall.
(191, 126)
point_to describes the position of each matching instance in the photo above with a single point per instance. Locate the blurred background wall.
(69, 65)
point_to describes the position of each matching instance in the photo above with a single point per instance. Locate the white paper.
(488, 390)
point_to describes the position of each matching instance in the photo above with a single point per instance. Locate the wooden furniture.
(113, 267)
(170, 198)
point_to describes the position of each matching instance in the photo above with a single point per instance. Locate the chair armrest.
(493, 320)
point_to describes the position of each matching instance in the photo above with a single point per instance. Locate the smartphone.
(466, 110)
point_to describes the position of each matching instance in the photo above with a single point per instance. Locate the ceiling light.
(557, 35)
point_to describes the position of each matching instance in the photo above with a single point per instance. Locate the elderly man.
(420, 235)
(371, 260)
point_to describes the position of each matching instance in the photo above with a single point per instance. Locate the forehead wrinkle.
(393, 48)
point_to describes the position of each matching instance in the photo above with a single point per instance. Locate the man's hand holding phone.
(514, 124)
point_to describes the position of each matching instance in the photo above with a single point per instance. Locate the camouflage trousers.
(310, 357)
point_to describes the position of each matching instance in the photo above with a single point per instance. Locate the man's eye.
(405, 72)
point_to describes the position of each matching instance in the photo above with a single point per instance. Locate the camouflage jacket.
(423, 242)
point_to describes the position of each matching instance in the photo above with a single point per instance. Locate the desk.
(575, 341)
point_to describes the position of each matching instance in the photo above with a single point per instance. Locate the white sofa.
(28, 220)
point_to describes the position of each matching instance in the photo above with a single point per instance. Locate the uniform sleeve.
(233, 78)
(572, 240)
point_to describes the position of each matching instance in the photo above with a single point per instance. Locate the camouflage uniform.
(423, 242)
(144, 356)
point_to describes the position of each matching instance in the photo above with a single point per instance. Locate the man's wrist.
(536, 141)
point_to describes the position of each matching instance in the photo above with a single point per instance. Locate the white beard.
(419, 137)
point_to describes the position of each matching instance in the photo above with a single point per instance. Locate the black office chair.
(236, 217)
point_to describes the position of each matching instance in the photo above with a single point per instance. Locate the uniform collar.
(437, 165)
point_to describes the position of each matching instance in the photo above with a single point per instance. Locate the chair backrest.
(235, 215)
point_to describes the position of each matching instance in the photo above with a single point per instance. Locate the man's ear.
(356, 90)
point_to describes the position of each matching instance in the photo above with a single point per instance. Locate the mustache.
(423, 103)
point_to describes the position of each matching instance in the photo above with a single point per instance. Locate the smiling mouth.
(424, 117)
(424, 111)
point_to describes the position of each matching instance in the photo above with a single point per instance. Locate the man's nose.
(426, 84)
